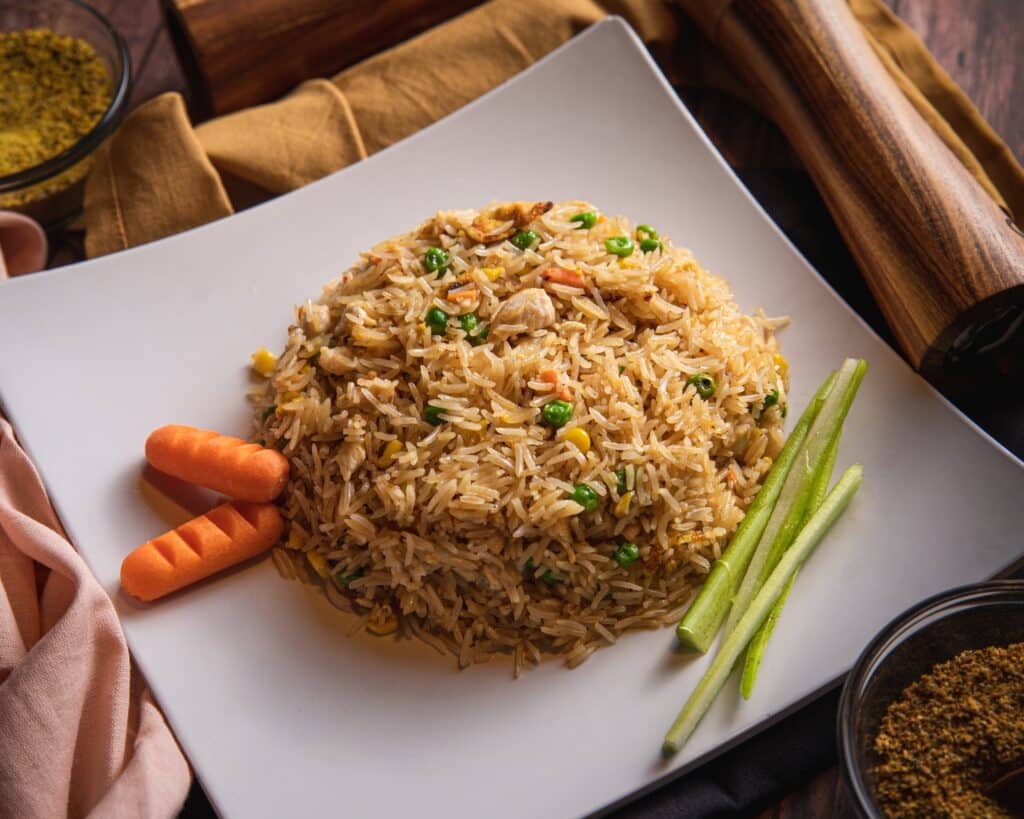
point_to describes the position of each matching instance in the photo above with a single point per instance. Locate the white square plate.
(281, 713)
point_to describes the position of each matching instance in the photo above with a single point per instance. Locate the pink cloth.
(80, 734)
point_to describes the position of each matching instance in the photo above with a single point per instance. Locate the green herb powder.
(53, 90)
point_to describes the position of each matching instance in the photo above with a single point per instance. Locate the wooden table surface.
(979, 42)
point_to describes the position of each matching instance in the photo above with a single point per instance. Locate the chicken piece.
(350, 456)
(377, 340)
(531, 308)
(336, 360)
(501, 222)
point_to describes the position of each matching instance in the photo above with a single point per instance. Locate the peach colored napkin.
(79, 733)
(22, 245)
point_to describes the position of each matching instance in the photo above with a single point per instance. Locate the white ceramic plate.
(281, 713)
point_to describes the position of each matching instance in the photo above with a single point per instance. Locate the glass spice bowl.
(933, 631)
(51, 191)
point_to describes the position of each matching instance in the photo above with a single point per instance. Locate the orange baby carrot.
(241, 470)
(224, 536)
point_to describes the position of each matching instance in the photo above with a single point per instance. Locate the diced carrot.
(549, 377)
(561, 275)
(465, 292)
(203, 546)
(241, 470)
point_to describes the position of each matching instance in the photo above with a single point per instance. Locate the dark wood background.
(979, 42)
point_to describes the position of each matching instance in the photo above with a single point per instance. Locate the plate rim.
(610, 23)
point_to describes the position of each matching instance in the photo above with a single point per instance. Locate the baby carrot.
(207, 544)
(241, 470)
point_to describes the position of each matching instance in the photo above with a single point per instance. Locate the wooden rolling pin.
(945, 264)
(238, 53)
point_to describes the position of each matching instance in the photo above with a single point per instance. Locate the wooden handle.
(945, 264)
(238, 53)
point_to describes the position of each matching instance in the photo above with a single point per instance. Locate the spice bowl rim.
(105, 125)
(875, 655)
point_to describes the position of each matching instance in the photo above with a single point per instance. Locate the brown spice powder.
(951, 734)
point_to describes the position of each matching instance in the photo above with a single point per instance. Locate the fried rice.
(446, 397)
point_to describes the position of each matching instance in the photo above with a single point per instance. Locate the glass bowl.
(51, 191)
(936, 630)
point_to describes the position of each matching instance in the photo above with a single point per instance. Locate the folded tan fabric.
(159, 176)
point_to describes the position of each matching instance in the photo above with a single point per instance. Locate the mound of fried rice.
(455, 523)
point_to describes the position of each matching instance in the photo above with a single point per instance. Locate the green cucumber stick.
(718, 672)
(756, 649)
(788, 515)
(704, 617)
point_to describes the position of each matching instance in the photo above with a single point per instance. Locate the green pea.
(526, 239)
(585, 220)
(704, 383)
(437, 321)
(620, 481)
(556, 413)
(469, 322)
(585, 497)
(268, 412)
(619, 246)
(784, 411)
(343, 580)
(627, 554)
(650, 245)
(646, 232)
(435, 260)
(771, 399)
(432, 415)
(550, 578)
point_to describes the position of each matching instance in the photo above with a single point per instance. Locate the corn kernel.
(782, 364)
(286, 399)
(622, 507)
(264, 361)
(387, 626)
(294, 539)
(493, 273)
(391, 449)
(629, 263)
(319, 564)
(579, 438)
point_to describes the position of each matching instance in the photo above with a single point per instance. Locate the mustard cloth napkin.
(158, 175)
